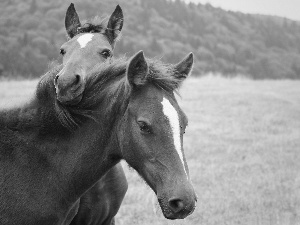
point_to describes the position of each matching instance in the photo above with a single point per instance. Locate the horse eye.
(62, 51)
(144, 127)
(105, 53)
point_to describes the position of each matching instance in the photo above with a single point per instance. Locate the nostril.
(176, 205)
(77, 79)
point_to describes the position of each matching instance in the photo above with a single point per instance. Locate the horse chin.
(70, 100)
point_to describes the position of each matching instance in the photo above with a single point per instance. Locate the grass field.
(242, 147)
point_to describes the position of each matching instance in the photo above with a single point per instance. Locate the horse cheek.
(124, 139)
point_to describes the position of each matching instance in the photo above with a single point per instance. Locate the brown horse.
(52, 153)
(90, 44)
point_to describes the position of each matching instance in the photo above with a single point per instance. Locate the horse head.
(89, 44)
(151, 133)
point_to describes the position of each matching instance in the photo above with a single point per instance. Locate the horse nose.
(75, 82)
(176, 205)
(67, 81)
(69, 87)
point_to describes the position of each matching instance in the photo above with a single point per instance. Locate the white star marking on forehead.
(172, 115)
(84, 39)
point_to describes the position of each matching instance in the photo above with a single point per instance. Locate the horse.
(52, 153)
(88, 45)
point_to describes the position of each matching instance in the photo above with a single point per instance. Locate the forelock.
(95, 25)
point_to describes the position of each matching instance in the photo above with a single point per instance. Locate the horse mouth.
(70, 97)
(67, 100)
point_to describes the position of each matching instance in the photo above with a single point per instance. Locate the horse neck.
(91, 152)
(94, 146)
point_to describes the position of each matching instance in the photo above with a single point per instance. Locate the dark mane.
(107, 85)
(160, 74)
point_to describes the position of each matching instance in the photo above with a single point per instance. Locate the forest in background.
(225, 42)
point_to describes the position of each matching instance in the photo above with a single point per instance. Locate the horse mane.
(107, 85)
(162, 75)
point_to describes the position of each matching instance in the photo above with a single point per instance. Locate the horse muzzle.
(69, 92)
(179, 206)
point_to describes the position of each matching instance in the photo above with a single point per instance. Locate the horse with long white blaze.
(161, 125)
(52, 153)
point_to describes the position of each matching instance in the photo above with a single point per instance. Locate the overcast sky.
(284, 8)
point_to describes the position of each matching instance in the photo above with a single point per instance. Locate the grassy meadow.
(243, 150)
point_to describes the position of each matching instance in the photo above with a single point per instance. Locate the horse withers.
(52, 153)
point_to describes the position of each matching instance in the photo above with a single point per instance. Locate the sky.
(284, 8)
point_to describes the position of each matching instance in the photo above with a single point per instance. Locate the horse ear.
(72, 21)
(184, 67)
(137, 70)
(115, 24)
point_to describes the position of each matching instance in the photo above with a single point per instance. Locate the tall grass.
(243, 150)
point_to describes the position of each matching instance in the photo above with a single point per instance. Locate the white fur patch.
(84, 39)
(172, 115)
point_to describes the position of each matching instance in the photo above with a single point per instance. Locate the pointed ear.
(137, 70)
(115, 24)
(72, 21)
(184, 67)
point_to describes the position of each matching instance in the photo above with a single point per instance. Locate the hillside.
(229, 43)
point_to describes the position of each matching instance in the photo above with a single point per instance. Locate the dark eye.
(62, 51)
(106, 53)
(144, 127)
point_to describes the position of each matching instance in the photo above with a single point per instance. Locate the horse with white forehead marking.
(90, 44)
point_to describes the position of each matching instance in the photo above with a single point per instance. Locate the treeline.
(230, 43)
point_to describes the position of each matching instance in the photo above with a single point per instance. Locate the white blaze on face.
(172, 115)
(84, 39)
